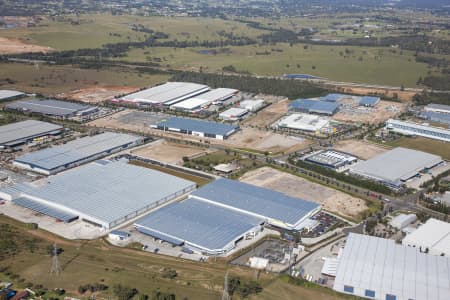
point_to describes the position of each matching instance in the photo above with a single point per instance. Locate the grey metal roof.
(48, 107)
(439, 106)
(436, 117)
(167, 92)
(197, 125)
(396, 165)
(107, 192)
(25, 129)
(381, 265)
(264, 202)
(217, 94)
(45, 209)
(73, 151)
(197, 222)
(368, 100)
(316, 106)
(7, 94)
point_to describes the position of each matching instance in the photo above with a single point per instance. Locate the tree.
(123, 292)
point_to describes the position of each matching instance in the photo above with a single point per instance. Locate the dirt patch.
(361, 149)
(384, 110)
(11, 46)
(268, 115)
(97, 94)
(294, 186)
(401, 95)
(167, 152)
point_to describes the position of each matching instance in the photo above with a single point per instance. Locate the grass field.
(423, 144)
(51, 80)
(84, 262)
(323, 61)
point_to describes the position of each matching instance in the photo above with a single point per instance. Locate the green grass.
(423, 144)
(51, 80)
(215, 158)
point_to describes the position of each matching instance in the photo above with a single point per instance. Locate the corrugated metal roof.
(25, 129)
(49, 107)
(369, 100)
(264, 202)
(197, 125)
(206, 225)
(55, 157)
(438, 106)
(45, 209)
(382, 266)
(396, 165)
(107, 192)
(436, 117)
(314, 106)
(434, 235)
(217, 94)
(6, 94)
(167, 92)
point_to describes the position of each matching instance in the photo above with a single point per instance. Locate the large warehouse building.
(393, 168)
(439, 108)
(331, 159)
(274, 207)
(202, 100)
(53, 108)
(7, 95)
(304, 122)
(314, 106)
(432, 237)
(102, 193)
(409, 128)
(168, 93)
(200, 226)
(15, 134)
(377, 268)
(197, 127)
(56, 159)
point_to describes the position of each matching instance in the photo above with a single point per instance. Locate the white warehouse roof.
(395, 166)
(378, 268)
(168, 93)
(301, 121)
(233, 113)
(403, 220)
(25, 130)
(104, 192)
(434, 235)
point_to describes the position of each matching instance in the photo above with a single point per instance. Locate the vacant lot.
(423, 144)
(168, 152)
(97, 94)
(331, 200)
(268, 115)
(383, 111)
(361, 149)
(11, 46)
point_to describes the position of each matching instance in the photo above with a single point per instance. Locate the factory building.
(369, 101)
(102, 193)
(438, 117)
(314, 106)
(304, 122)
(16, 134)
(335, 160)
(433, 237)
(168, 94)
(274, 207)
(200, 226)
(377, 268)
(252, 105)
(439, 108)
(7, 95)
(54, 108)
(74, 153)
(233, 114)
(393, 168)
(198, 102)
(196, 127)
(402, 220)
(409, 128)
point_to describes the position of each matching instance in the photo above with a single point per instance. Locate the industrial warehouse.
(410, 128)
(200, 226)
(53, 108)
(304, 122)
(56, 159)
(167, 94)
(335, 160)
(314, 107)
(378, 268)
(196, 127)
(7, 95)
(395, 167)
(233, 114)
(16, 134)
(274, 207)
(102, 193)
(205, 99)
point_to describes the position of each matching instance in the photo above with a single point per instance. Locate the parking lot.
(326, 222)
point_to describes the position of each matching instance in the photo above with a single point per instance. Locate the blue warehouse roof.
(316, 106)
(333, 97)
(369, 100)
(198, 223)
(256, 200)
(198, 126)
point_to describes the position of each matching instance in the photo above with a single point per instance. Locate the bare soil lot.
(10, 46)
(383, 111)
(330, 199)
(167, 152)
(402, 95)
(361, 149)
(268, 115)
(97, 94)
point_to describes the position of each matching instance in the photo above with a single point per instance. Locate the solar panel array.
(260, 201)
(45, 209)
